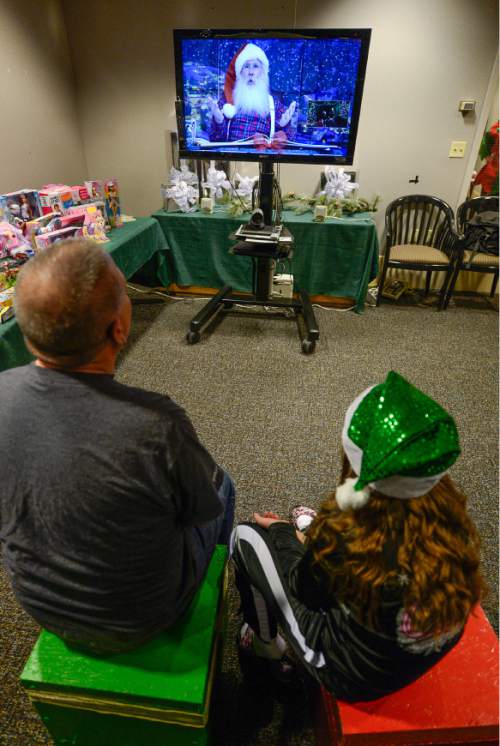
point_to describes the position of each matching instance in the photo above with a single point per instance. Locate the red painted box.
(455, 702)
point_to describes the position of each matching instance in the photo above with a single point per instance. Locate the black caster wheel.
(192, 338)
(308, 346)
(228, 304)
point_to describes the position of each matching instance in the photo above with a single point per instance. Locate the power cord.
(329, 308)
(269, 309)
(277, 310)
(153, 291)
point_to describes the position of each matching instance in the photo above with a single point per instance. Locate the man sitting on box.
(110, 507)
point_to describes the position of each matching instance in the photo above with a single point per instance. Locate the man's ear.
(117, 333)
(30, 347)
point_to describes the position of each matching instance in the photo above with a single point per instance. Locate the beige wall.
(425, 56)
(88, 89)
(39, 135)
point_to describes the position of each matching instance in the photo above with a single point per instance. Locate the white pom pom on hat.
(347, 497)
(229, 110)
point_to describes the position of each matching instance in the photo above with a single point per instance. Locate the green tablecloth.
(136, 244)
(132, 246)
(338, 257)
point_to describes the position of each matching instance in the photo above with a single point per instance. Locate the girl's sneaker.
(282, 669)
(302, 517)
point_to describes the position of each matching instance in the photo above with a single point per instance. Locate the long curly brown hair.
(435, 558)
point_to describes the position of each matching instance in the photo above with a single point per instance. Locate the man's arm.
(284, 118)
(196, 478)
(217, 114)
(217, 127)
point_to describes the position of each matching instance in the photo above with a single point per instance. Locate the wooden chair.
(481, 262)
(420, 235)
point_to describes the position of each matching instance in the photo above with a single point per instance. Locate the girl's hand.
(300, 536)
(267, 519)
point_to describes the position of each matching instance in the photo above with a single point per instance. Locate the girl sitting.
(380, 587)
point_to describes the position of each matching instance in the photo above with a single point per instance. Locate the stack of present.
(14, 251)
(31, 220)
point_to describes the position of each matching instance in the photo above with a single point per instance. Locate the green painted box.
(156, 695)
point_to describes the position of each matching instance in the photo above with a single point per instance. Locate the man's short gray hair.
(64, 300)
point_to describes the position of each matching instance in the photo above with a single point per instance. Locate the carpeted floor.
(273, 417)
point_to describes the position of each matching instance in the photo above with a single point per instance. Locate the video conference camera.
(256, 229)
(256, 221)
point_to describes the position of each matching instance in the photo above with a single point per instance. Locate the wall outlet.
(282, 286)
(467, 105)
(457, 149)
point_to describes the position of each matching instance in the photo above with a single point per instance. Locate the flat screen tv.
(292, 96)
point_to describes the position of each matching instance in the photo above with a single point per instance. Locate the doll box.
(112, 203)
(80, 194)
(21, 206)
(90, 208)
(94, 223)
(55, 198)
(44, 240)
(95, 188)
(33, 227)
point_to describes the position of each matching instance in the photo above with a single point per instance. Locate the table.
(132, 246)
(335, 258)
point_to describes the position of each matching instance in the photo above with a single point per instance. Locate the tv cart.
(264, 247)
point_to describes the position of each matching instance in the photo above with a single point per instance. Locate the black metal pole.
(266, 189)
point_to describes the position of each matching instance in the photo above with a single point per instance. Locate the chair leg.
(494, 284)
(449, 286)
(443, 293)
(428, 283)
(381, 284)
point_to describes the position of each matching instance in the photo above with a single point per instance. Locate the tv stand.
(264, 246)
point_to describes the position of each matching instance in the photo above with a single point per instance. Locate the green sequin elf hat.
(399, 442)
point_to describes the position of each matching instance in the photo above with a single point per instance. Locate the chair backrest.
(471, 207)
(419, 219)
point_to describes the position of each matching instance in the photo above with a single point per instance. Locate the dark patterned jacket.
(243, 126)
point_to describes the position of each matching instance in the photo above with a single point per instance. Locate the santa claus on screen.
(247, 107)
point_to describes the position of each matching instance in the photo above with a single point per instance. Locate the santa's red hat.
(246, 52)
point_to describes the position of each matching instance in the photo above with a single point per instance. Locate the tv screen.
(293, 96)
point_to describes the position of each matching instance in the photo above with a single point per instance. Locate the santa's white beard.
(252, 99)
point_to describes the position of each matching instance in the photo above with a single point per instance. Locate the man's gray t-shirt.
(100, 483)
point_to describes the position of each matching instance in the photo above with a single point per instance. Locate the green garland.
(336, 207)
(236, 206)
(301, 203)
